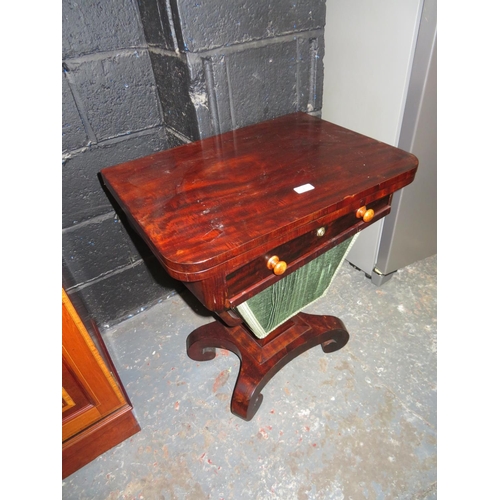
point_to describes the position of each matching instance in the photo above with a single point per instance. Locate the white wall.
(369, 46)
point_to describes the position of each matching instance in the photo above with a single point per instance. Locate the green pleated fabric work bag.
(276, 304)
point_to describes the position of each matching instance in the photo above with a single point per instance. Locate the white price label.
(304, 188)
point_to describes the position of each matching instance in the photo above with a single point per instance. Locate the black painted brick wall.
(140, 76)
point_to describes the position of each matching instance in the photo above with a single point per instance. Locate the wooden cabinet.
(96, 413)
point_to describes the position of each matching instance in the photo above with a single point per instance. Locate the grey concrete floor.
(359, 423)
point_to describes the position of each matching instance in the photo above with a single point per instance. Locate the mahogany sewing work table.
(232, 214)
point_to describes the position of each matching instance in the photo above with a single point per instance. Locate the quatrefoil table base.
(261, 359)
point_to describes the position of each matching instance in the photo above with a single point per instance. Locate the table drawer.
(252, 277)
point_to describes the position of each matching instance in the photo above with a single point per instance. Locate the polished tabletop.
(202, 203)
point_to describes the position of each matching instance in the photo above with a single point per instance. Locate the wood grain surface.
(203, 203)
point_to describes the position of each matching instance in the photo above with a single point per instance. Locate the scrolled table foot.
(201, 342)
(247, 408)
(198, 353)
(339, 339)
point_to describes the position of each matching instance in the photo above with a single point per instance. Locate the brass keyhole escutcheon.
(366, 215)
(278, 266)
(320, 232)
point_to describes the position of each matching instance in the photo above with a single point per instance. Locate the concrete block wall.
(111, 112)
(140, 76)
(252, 61)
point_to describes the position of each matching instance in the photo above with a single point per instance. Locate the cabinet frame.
(96, 412)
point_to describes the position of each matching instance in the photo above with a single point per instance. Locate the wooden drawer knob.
(278, 266)
(366, 215)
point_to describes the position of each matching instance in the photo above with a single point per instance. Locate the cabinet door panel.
(78, 409)
(89, 390)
